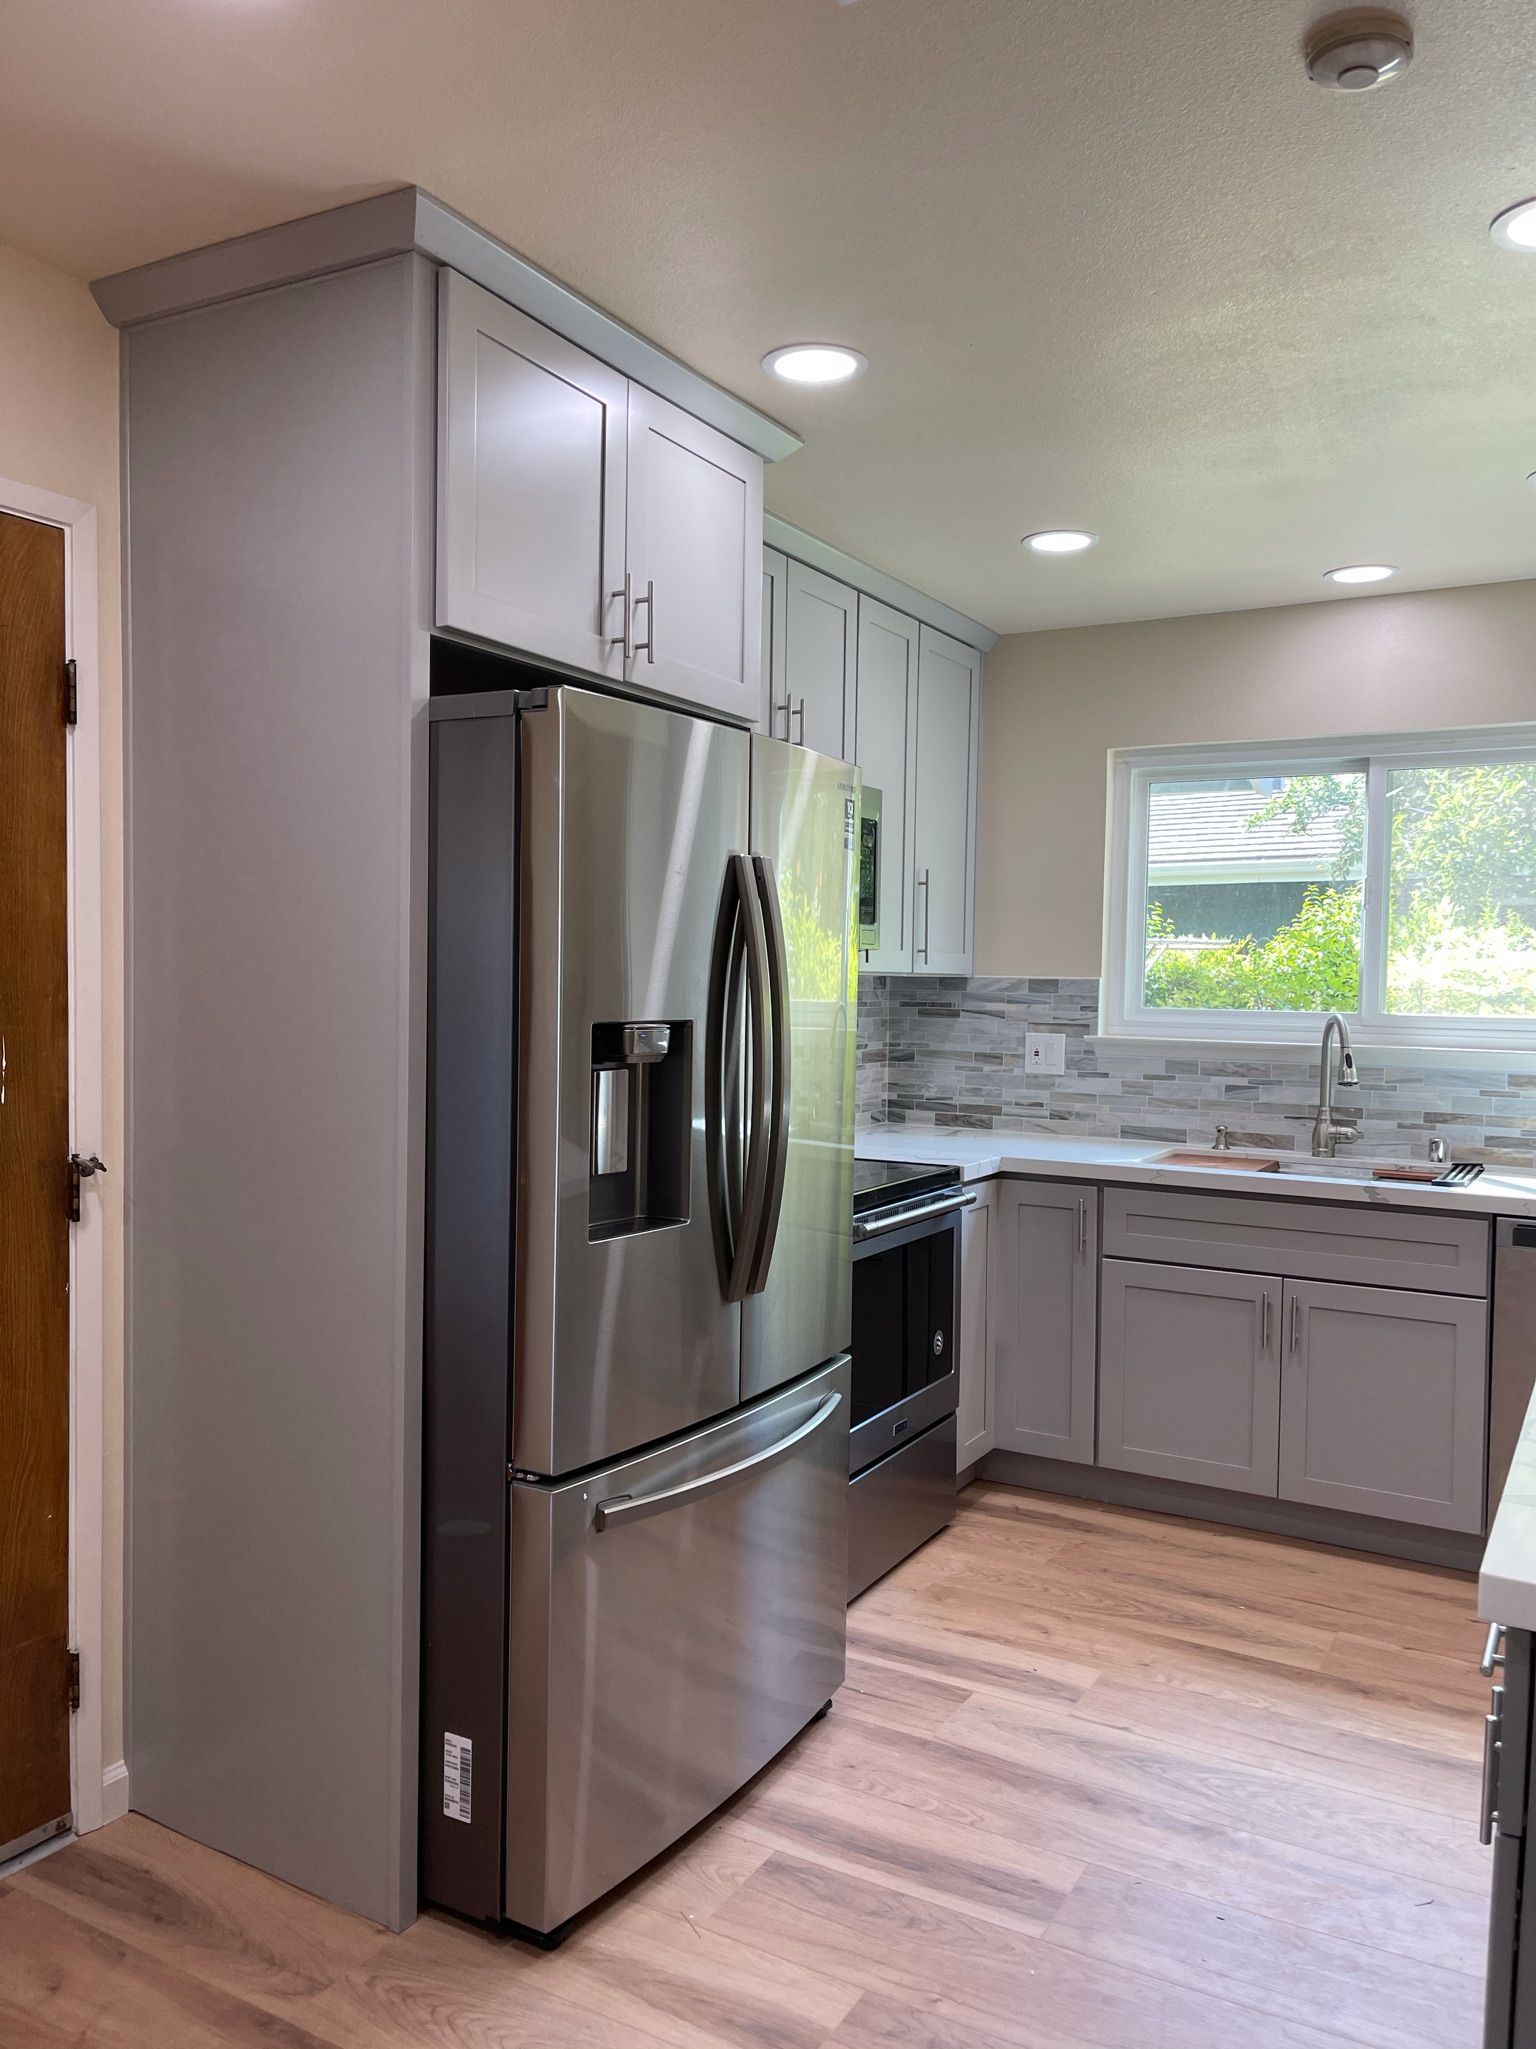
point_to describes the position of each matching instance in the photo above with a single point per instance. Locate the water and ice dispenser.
(642, 1109)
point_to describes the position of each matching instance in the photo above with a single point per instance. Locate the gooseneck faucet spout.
(1327, 1133)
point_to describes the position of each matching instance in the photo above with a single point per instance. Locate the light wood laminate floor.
(1096, 1778)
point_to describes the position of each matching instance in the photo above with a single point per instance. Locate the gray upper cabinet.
(694, 533)
(1189, 1375)
(1043, 1320)
(822, 628)
(586, 521)
(1384, 1403)
(531, 484)
(885, 747)
(948, 758)
(775, 634)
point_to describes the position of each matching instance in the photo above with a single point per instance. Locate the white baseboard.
(114, 1791)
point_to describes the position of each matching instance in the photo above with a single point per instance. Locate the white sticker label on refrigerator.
(458, 1765)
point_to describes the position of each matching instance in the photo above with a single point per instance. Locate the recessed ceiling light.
(1515, 227)
(1061, 540)
(1361, 572)
(814, 363)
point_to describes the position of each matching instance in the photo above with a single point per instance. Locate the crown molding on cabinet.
(408, 219)
(890, 590)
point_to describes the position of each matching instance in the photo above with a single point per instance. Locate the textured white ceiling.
(1114, 262)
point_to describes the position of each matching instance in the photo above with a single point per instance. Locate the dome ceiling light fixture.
(1060, 540)
(815, 363)
(1515, 228)
(1359, 49)
(1361, 572)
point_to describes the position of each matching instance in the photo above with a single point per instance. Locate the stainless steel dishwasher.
(1514, 1346)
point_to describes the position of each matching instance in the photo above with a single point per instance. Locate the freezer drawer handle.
(876, 1227)
(634, 1508)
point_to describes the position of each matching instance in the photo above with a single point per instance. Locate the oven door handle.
(878, 1226)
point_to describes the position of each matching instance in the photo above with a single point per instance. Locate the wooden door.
(531, 485)
(823, 638)
(885, 747)
(974, 1419)
(695, 552)
(1189, 1375)
(34, 1149)
(1383, 1403)
(1044, 1318)
(948, 739)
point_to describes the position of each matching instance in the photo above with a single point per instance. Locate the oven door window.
(903, 1321)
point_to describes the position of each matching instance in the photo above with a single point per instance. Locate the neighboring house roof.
(1205, 836)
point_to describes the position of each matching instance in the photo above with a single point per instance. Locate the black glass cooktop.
(878, 1183)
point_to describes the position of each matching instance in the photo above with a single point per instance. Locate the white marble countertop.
(1498, 1191)
(1506, 1584)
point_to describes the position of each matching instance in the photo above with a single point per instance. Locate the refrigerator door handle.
(779, 1076)
(754, 1198)
(634, 1508)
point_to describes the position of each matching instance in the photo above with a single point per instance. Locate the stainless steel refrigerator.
(641, 1048)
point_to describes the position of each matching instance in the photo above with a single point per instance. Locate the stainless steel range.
(902, 1444)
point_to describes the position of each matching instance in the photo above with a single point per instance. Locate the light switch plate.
(1045, 1052)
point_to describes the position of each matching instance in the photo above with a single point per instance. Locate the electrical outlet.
(1045, 1052)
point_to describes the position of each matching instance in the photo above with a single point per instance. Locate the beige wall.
(1057, 702)
(58, 432)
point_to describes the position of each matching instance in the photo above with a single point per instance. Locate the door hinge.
(71, 693)
(78, 1171)
(72, 1665)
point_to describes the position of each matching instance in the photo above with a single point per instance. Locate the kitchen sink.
(1294, 1165)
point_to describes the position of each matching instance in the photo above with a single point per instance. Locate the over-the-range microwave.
(869, 869)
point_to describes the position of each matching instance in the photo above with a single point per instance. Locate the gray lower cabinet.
(1383, 1403)
(1043, 1317)
(1189, 1375)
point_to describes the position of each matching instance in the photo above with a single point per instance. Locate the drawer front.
(900, 1503)
(1305, 1239)
(675, 1620)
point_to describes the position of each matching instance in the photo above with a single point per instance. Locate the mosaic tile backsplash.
(950, 1051)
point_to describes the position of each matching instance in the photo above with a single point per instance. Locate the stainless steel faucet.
(1327, 1133)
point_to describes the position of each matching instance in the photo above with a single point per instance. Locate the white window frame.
(1132, 770)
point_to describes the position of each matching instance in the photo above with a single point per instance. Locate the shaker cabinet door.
(822, 637)
(531, 485)
(695, 557)
(948, 737)
(1383, 1403)
(885, 747)
(1189, 1374)
(1043, 1318)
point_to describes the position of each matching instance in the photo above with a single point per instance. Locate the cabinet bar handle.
(1493, 1729)
(1295, 1322)
(799, 713)
(788, 711)
(1082, 1226)
(923, 885)
(626, 598)
(1492, 1655)
(648, 645)
(1264, 1324)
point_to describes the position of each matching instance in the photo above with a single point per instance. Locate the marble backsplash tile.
(943, 1050)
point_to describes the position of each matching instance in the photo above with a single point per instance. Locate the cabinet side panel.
(278, 505)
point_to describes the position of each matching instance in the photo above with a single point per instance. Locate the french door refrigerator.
(641, 1046)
